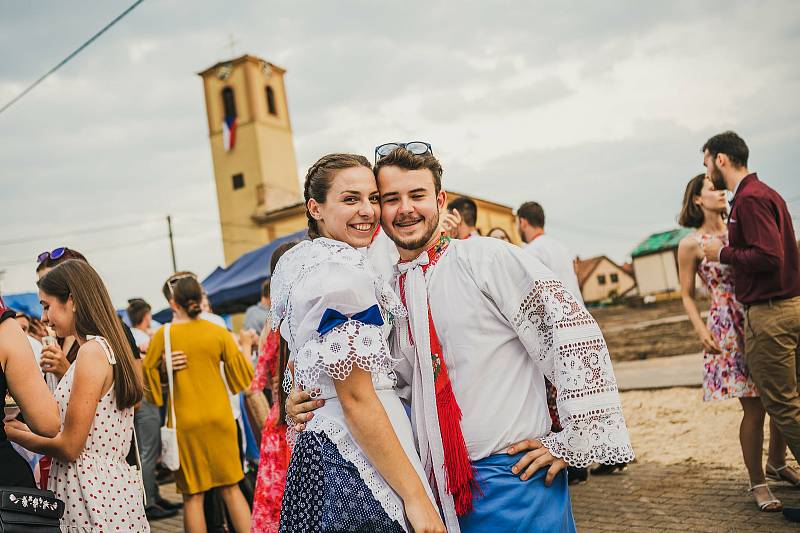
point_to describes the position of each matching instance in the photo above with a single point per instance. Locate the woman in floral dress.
(725, 373)
(275, 453)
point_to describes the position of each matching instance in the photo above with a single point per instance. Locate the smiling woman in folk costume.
(488, 324)
(355, 467)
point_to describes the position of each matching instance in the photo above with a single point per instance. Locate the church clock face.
(224, 72)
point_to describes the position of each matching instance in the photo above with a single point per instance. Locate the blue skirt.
(509, 505)
(325, 493)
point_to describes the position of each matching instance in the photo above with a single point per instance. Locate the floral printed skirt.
(272, 465)
(325, 493)
(725, 374)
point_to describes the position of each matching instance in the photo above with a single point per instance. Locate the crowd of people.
(399, 372)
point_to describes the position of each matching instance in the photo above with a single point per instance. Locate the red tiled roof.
(585, 267)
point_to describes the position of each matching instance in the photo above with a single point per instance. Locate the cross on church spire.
(232, 45)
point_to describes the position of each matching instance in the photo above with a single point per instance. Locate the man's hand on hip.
(537, 457)
(300, 404)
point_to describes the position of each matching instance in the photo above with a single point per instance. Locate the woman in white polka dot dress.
(96, 396)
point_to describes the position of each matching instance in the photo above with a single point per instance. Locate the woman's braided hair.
(319, 178)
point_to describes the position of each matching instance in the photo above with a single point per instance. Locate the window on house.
(228, 102)
(271, 101)
(238, 181)
(614, 278)
(601, 279)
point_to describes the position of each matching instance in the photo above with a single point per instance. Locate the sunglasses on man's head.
(54, 254)
(415, 147)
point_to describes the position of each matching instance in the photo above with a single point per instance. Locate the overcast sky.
(595, 109)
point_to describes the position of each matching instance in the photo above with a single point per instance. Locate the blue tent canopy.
(233, 289)
(24, 302)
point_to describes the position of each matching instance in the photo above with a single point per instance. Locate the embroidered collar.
(434, 253)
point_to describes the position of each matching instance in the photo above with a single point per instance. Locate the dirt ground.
(672, 426)
(656, 330)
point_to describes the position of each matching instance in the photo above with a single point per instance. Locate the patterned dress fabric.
(725, 375)
(275, 454)
(324, 493)
(101, 491)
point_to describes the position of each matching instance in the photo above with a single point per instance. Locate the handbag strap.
(139, 464)
(168, 356)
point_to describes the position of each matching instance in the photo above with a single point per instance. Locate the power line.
(69, 57)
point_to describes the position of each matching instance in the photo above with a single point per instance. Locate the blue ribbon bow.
(332, 318)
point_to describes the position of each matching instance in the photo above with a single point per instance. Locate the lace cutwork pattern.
(351, 452)
(350, 344)
(567, 344)
(306, 257)
(295, 266)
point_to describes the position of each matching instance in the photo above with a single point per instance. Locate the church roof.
(238, 60)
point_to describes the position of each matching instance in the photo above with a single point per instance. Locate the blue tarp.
(233, 289)
(24, 302)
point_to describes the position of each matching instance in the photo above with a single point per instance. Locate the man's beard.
(431, 226)
(716, 177)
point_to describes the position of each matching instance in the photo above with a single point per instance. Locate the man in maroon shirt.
(763, 253)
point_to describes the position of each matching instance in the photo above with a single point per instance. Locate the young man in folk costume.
(486, 325)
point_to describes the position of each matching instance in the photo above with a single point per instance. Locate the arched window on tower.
(228, 102)
(273, 110)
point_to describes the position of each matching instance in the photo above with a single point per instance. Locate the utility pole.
(171, 244)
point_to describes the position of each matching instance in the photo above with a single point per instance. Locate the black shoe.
(157, 513)
(604, 470)
(168, 505)
(792, 513)
(577, 475)
(164, 476)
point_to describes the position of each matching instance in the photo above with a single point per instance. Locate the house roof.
(585, 267)
(658, 242)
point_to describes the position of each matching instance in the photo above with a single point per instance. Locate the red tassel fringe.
(460, 474)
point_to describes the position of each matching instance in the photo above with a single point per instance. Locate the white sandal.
(775, 475)
(762, 506)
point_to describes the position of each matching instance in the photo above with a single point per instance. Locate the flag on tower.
(229, 132)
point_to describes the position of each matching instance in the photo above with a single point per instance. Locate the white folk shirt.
(504, 322)
(557, 258)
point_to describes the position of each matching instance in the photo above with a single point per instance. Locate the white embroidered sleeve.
(567, 346)
(350, 344)
(566, 343)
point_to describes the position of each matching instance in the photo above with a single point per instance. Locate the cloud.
(597, 109)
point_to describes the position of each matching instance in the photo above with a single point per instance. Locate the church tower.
(253, 153)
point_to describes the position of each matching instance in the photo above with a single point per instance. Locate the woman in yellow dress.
(207, 438)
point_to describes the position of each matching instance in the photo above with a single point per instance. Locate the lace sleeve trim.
(350, 344)
(568, 346)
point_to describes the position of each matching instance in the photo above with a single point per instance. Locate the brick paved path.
(651, 497)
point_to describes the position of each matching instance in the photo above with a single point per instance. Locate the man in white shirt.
(548, 250)
(487, 323)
